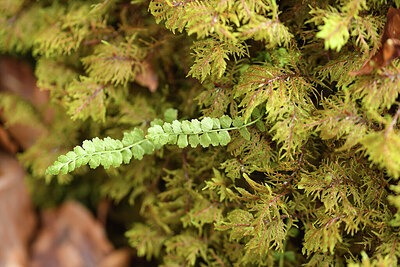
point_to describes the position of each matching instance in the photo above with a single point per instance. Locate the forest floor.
(66, 236)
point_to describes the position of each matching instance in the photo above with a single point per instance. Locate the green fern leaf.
(203, 19)
(147, 241)
(378, 91)
(336, 23)
(383, 148)
(173, 15)
(106, 152)
(86, 98)
(109, 152)
(13, 33)
(334, 185)
(273, 32)
(192, 249)
(206, 132)
(65, 36)
(211, 57)
(338, 70)
(278, 89)
(340, 119)
(266, 227)
(115, 64)
(323, 239)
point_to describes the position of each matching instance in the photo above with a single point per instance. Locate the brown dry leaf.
(102, 210)
(117, 258)
(25, 135)
(6, 143)
(147, 78)
(17, 217)
(16, 77)
(70, 237)
(390, 48)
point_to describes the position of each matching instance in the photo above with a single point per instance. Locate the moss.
(256, 139)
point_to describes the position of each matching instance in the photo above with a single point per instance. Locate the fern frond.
(115, 64)
(171, 13)
(334, 185)
(366, 30)
(55, 139)
(55, 77)
(263, 228)
(383, 149)
(19, 34)
(336, 23)
(86, 98)
(338, 70)
(106, 152)
(147, 241)
(208, 131)
(211, 55)
(285, 96)
(272, 31)
(204, 19)
(188, 245)
(340, 119)
(109, 152)
(378, 91)
(67, 28)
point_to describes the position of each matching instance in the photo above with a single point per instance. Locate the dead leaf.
(147, 78)
(70, 237)
(102, 210)
(17, 77)
(17, 217)
(6, 143)
(390, 48)
(25, 135)
(118, 258)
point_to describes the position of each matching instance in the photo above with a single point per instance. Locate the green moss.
(279, 156)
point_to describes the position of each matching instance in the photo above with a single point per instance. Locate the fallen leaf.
(17, 216)
(17, 77)
(102, 210)
(117, 258)
(24, 135)
(390, 48)
(6, 143)
(71, 237)
(147, 78)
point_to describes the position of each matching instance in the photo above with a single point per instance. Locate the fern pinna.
(292, 155)
(109, 152)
